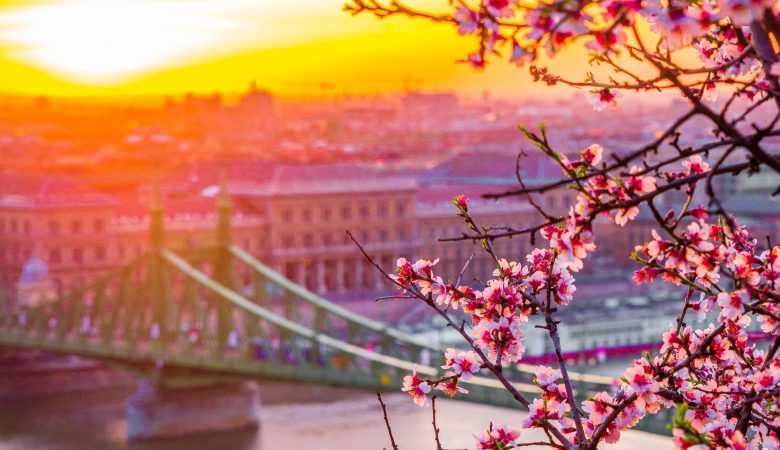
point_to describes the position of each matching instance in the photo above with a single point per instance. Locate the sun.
(105, 41)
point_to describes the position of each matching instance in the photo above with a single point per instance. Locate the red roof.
(496, 165)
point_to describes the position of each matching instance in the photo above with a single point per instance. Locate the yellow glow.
(104, 41)
(128, 47)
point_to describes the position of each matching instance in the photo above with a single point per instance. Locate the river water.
(293, 417)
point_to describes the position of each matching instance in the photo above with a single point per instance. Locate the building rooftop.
(48, 191)
(494, 169)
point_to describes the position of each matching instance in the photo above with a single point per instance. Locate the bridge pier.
(155, 412)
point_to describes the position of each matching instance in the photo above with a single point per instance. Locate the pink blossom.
(564, 286)
(461, 363)
(645, 275)
(499, 8)
(601, 99)
(476, 60)
(537, 414)
(608, 40)
(451, 387)
(510, 269)
(521, 56)
(592, 154)
(695, 165)
(467, 19)
(417, 388)
(503, 335)
(710, 92)
(623, 215)
(497, 438)
(640, 377)
(731, 304)
(461, 201)
(546, 376)
(405, 270)
(598, 407)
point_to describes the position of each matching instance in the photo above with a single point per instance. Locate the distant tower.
(325, 87)
(256, 101)
(35, 286)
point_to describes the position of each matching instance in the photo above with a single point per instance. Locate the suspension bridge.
(214, 315)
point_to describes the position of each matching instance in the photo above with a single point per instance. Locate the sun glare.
(105, 41)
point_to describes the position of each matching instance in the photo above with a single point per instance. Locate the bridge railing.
(326, 308)
(299, 304)
(347, 358)
(100, 308)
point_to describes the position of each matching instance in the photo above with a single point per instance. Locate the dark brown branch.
(433, 422)
(634, 201)
(387, 421)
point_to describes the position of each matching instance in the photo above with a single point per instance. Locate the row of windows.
(14, 226)
(310, 240)
(307, 273)
(617, 330)
(563, 200)
(59, 256)
(514, 249)
(75, 226)
(434, 232)
(345, 212)
(76, 255)
(15, 254)
(480, 266)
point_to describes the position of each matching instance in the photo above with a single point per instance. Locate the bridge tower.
(224, 208)
(159, 290)
(224, 272)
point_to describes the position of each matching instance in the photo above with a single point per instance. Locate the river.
(91, 416)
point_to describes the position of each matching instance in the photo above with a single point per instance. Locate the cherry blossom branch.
(736, 279)
(637, 200)
(552, 329)
(487, 363)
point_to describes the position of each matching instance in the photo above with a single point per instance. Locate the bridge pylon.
(167, 404)
(156, 214)
(159, 289)
(224, 208)
(155, 412)
(224, 272)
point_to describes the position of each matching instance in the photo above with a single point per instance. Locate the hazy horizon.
(51, 47)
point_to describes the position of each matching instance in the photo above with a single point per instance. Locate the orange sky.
(119, 47)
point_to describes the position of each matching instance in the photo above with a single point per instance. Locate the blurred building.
(292, 217)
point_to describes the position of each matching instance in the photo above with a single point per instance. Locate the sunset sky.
(120, 47)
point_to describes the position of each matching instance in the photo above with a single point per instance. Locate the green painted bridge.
(180, 316)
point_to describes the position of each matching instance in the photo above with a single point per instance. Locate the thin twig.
(387, 421)
(435, 427)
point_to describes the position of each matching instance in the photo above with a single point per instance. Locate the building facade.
(294, 218)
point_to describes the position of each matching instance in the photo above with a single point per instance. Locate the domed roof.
(34, 271)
